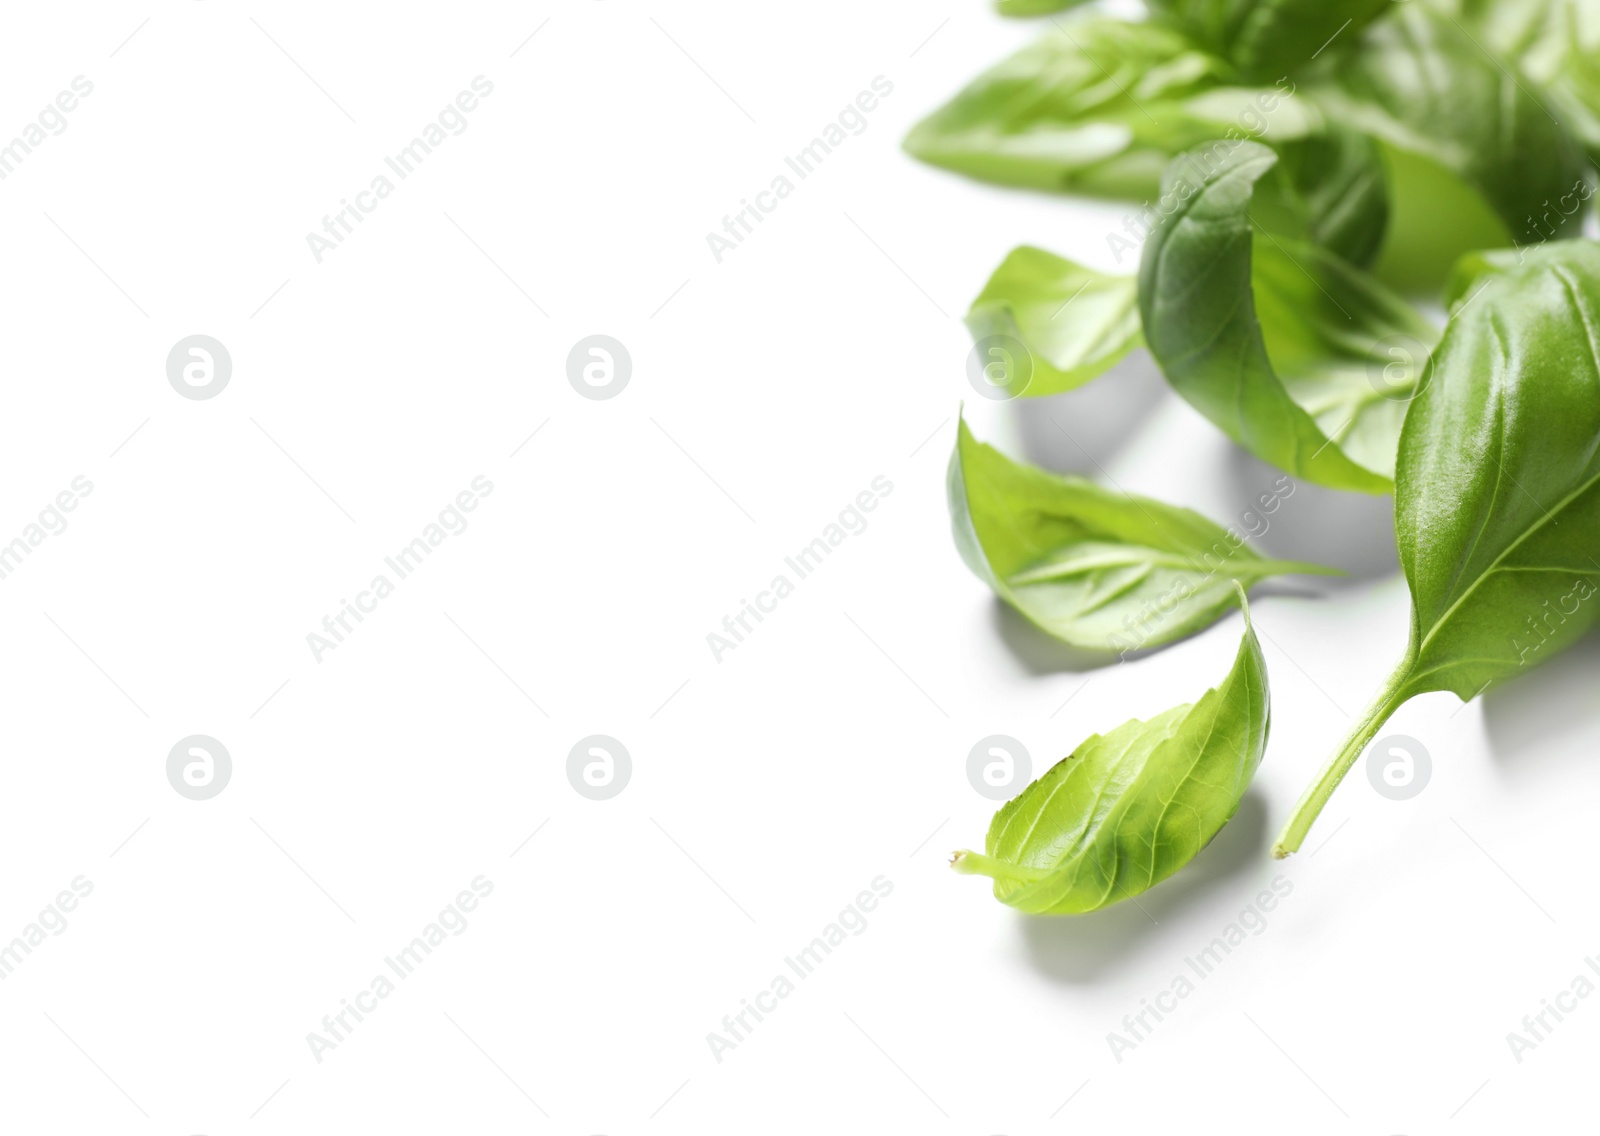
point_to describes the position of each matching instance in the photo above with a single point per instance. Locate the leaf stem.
(1305, 814)
(977, 864)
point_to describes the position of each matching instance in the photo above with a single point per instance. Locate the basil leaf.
(1286, 347)
(1339, 178)
(1034, 7)
(1577, 88)
(1556, 44)
(1099, 107)
(1423, 85)
(1497, 500)
(1101, 570)
(1127, 809)
(1073, 322)
(1267, 38)
(1534, 35)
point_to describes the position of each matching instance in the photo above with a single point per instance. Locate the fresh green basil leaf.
(1339, 176)
(1577, 88)
(1574, 80)
(1267, 39)
(1497, 499)
(1100, 570)
(1127, 809)
(1421, 83)
(1073, 323)
(1300, 357)
(1097, 106)
(1497, 510)
(1554, 45)
(1534, 35)
(1434, 217)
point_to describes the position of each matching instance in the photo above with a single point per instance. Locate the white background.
(768, 788)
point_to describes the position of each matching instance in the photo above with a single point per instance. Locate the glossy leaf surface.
(1497, 502)
(1301, 358)
(1498, 498)
(1129, 808)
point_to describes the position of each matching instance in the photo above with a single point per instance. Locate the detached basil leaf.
(1301, 358)
(1098, 106)
(1265, 39)
(1497, 500)
(1101, 570)
(1074, 323)
(1127, 809)
(1034, 7)
(1422, 84)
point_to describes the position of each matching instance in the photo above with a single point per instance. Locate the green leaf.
(1034, 7)
(1498, 505)
(1578, 90)
(1266, 39)
(1127, 809)
(1434, 217)
(1497, 500)
(1421, 83)
(1339, 177)
(1554, 46)
(1097, 106)
(1101, 570)
(1301, 358)
(1073, 323)
(1537, 36)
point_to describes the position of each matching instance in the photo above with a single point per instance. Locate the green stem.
(977, 864)
(1305, 814)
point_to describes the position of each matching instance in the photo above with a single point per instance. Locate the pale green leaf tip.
(1305, 568)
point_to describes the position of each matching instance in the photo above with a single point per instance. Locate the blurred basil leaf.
(1446, 107)
(1266, 39)
(1097, 106)
(1034, 7)
(1074, 323)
